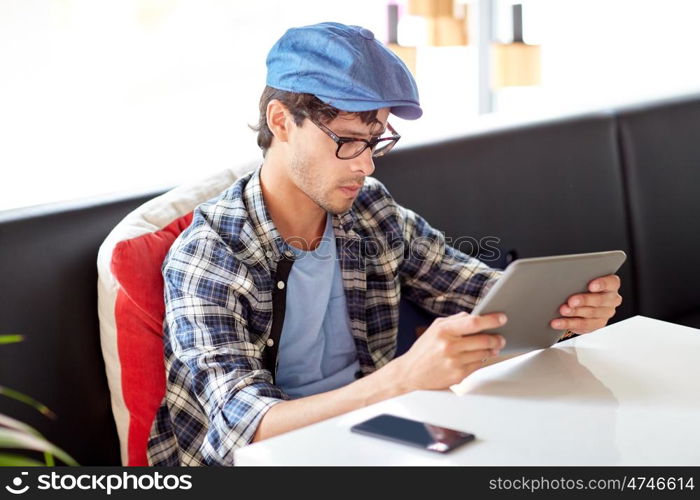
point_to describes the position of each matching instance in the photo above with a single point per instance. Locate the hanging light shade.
(516, 63)
(431, 8)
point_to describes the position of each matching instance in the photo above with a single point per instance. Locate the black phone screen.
(412, 432)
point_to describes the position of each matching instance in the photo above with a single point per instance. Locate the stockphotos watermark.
(376, 247)
(108, 483)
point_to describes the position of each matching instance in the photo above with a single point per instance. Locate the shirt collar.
(272, 243)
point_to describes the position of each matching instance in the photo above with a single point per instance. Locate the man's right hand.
(449, 350)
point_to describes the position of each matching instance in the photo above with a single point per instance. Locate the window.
(103, 96)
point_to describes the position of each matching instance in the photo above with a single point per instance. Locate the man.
(282, 296)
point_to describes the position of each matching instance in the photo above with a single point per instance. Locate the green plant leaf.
(15, 424)
(12, 423)
(12, 460)
(11, 438)
(40, 407)
(10, 339)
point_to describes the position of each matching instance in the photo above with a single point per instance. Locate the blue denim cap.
(344, 66)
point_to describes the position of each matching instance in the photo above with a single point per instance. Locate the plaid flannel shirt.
(218, 294)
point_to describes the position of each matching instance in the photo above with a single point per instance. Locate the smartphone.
(412, 432)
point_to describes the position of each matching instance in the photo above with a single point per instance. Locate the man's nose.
(364, 163)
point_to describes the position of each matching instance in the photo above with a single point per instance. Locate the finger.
(578, 325)
(452, 317)
(605, 299)
(459, 324)
(609, 283)
(587, 312)
(479, 342)
(477, 356)
(461, 314)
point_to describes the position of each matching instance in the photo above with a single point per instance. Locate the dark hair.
(300, 106)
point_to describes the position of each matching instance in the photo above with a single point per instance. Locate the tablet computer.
(532, 290)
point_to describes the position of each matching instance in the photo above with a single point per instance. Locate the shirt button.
(270, 342)
(269, 254)
(280, 285)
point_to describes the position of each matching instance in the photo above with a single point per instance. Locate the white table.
(628, 394)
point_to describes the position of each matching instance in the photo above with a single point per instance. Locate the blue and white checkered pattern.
(218, 293)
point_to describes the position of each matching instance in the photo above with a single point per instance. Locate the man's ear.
(279, 120)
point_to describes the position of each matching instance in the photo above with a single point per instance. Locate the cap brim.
(407, 112)
(403, 109)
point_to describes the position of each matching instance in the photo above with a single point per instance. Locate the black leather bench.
(660, 149)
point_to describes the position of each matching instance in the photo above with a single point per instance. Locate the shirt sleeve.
(214, 355)
(436, 276)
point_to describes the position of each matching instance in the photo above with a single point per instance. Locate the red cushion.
(139, 313)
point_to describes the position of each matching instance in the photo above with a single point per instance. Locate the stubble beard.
(304, 180)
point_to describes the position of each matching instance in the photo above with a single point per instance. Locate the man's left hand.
(586, 312)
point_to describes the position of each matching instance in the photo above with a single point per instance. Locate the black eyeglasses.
(349, 147)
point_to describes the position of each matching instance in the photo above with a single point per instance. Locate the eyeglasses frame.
(368, 143)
